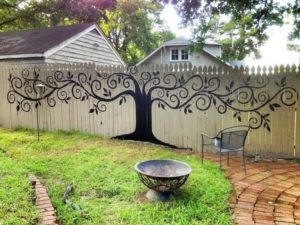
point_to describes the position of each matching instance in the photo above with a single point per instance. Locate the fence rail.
(162, 103)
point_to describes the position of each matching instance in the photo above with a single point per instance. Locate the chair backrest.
(234, 138)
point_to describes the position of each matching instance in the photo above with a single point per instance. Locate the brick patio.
(268, 194)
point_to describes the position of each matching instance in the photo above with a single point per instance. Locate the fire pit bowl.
(163, 176)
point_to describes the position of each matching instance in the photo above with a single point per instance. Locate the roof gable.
(37, 41)
(46, 41)
(180, 41)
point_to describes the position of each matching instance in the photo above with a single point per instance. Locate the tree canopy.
(22, 14)
(133, 26)
(131, 29)
(240, 25)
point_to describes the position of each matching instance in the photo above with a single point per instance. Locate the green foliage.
(294, 9)
(129, 25)
(105, 184)
(20, 14)
(130, 29)
(240, 25)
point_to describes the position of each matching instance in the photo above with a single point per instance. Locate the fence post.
(297, 115)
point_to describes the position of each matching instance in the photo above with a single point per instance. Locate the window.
(184, 54)
(174, 54)
(179, 54)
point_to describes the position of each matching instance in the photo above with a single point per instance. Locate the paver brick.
(268, 194)
(43, 202)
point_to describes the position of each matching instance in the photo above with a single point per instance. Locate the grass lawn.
(105, 184)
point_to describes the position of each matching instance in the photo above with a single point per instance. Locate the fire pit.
(163, 177)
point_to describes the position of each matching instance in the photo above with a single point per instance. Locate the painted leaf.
(181, 80)
(91, 110)
(214, 101)
(239, 118)
(283, 81)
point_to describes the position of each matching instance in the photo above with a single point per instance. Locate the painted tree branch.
(146, 88)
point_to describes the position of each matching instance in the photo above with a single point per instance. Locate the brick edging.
(45, 209)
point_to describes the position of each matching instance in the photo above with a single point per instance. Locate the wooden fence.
(165, 104)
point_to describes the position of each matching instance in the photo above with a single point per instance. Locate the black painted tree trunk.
(143, 130)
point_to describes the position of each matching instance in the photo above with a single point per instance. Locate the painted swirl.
(176, 91)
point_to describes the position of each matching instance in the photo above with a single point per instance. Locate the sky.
(273, 52)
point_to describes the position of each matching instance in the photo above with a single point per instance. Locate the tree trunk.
(143, 130)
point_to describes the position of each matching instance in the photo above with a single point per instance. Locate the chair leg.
(202, 150)
(202, 155)
(244, 161)
(220, 160)
(227, 158)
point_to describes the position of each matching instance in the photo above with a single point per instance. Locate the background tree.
(131, 29)
(23, 14)
(241, 25)
(133, 26)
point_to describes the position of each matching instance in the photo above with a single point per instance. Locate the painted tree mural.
(168, 90)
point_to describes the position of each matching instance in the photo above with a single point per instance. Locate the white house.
(176, 51)
(62, 44)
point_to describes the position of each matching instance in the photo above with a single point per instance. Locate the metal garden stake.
(40, 90)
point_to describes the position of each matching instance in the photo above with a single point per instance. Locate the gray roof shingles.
(37, 41)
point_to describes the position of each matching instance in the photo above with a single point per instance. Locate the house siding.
(196, 58)
(91, 47)
(216, 50)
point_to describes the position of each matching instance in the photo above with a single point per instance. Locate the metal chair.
(231, 139)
